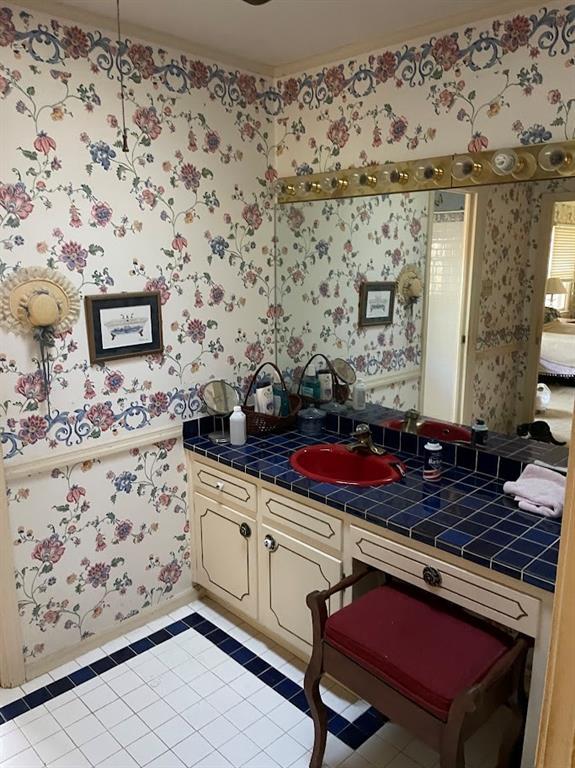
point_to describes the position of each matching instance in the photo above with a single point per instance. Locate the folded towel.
(538, 490)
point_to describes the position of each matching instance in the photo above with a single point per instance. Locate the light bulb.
(363, 179)
(288, 189)
(341, 184)
(465, 168)
(328, 184)
(554, 158)
(428, 172)
(398, 176)
(520, 165)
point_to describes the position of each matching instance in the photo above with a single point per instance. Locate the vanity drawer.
(302, 519)
(487, 598)
(223, 487)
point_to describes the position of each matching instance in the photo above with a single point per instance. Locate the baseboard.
(54, 660)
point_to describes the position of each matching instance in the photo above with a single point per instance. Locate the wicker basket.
(263, 423)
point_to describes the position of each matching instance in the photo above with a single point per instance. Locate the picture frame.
(121, 325)
(376, 304)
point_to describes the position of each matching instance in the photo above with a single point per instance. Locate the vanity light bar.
(525, 163)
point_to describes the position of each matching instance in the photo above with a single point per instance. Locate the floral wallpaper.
(188, 211)
(112, 542)
(325, 251)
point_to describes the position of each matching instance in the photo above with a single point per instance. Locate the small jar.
(432, 459)
(311, 421)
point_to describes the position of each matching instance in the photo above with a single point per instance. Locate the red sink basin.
(335, 464)
(436, 430)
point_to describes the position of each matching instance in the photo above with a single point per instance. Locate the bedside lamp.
(554, 285)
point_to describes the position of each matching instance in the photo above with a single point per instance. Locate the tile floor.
(186, 702)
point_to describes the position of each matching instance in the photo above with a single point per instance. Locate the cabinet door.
(289, 571)
(225, 543)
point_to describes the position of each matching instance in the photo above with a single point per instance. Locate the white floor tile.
(40, 729)
(73, 759)
(70, 712)
(213, 760)
(140, 697)
(396, 735)
(218, 731)
(247, 684)
(206, 684)
(173, 731)
(8, 695)
(148, 748)
(239, 750)
(129, 730)
(172, 655)
(403, 761)
(54, 746)
(151, 668)
(421, 753)
(166, 683)
(285, 750)
(12, 743)
(91, 656)
(85, 730)
(286, 715)
(121, 759)
(266, 699)
(126, 682)
(336, 751)
(182, 698)
(37, 682)
(112, 714)
(199, 714)
(30, 715)
(98, 749)
(378, 751)
(99, 697)
(193, 749)
(224, 699)
(303, 732)
(64, 670)
(167, 760)
(261, 760)
(211, 657)
(228, 670)
(263, 732)
(26, 759)
(355, 760)
(156, 714)
(5, 728)
(189, 670)
(243, 714)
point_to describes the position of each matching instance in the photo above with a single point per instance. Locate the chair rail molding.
(16, 470)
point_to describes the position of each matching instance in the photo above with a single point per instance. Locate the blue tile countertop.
(465, 513)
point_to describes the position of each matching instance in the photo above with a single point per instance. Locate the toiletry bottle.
(432, 457)
(359, 395)
(238, 426)
(265, 397)
(277, 390)
(479, 432)
(325, 385)
(310, 386)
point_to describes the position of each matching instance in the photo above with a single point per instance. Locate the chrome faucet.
(364, 441)
(411, 421)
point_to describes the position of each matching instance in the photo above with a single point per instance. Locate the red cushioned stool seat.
(427, 652)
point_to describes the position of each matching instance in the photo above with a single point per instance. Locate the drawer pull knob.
(431, 576)
(270, 543)
(245, 530)
(220, 485)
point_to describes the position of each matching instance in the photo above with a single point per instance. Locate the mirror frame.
(402, 176)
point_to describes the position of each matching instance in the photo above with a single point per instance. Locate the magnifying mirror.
(219, 398)
(346, 376)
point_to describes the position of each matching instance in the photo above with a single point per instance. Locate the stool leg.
(509, 754)
(318, 713)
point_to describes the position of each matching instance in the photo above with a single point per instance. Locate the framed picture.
(123, 325)
(376, 302)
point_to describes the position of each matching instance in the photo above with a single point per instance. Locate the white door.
(226, 553)
(289, 571)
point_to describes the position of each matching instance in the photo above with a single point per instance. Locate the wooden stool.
(422, 663)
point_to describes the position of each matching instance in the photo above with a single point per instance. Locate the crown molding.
(489, 9)
(61, 11)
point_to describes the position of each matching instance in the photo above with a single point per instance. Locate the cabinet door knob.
(245, 530)
(431, 576)
(219, 485)
(270, 543)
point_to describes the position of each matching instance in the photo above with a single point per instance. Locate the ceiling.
(283, 35)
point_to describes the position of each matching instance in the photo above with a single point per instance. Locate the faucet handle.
(361, 429)
(412, 413)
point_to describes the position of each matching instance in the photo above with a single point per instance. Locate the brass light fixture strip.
(424, 174)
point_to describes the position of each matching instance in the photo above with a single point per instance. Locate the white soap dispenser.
(358, 399)
(238, 426)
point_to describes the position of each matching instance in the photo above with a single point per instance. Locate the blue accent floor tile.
(102, 665)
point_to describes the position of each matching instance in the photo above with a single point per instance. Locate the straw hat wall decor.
(41, 302)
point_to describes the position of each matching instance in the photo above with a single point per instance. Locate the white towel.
(538, 490)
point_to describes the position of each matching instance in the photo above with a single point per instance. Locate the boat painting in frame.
(123, 325)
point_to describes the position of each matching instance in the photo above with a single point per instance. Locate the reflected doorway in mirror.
(376, 303)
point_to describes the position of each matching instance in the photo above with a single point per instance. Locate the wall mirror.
(489, 331)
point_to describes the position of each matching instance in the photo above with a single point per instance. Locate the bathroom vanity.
(264, 537)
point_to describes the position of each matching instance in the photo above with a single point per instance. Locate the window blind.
(563, 252)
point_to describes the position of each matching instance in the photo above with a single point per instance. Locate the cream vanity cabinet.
(262, 553)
